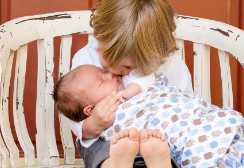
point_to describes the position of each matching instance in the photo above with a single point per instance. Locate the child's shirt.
(174, 67)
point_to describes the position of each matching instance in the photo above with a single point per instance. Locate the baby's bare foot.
(123, 148)
(154, 149)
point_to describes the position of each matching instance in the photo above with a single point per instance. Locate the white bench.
(15, 36)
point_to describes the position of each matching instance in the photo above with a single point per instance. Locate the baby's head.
(77, 93)
(140, 29)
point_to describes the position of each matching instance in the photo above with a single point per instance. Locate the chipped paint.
(194, 53)
(53, 75)
(61, 74)
(243, 65)
(17, 104)
(84, 32)
(54, 17)
(237, 37)
(186, 17)
(221, 31)
(46, 77)
(3, 31)
(11, 51)
(228, 53)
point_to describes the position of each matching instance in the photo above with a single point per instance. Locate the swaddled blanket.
(198, 133)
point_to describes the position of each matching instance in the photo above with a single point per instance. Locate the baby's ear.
(88, 110)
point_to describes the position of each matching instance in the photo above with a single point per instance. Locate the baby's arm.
(130, 90)
(134, 84)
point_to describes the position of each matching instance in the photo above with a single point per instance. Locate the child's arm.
(102, 116)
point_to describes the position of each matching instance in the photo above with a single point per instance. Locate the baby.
(81, 89)
(199, 134)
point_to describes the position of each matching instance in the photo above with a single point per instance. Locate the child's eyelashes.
(127, 67)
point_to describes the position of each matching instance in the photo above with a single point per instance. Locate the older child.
(129, 34)
(198, 132)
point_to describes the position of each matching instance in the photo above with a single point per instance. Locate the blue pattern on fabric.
(199, 134)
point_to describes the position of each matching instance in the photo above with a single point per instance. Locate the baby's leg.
(154, 149)
(234, 156)
(123, 149)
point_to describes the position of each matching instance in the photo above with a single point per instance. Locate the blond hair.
(142, 29)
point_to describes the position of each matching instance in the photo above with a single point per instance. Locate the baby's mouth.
(119, 82)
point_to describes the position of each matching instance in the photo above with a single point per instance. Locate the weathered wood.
(41, 136)
(202, 71)
(49, 102)
(4, 154)
(90, 37)
(213, 33)
(65, 132)
(18, 107)
(227, 94)
(4, 115)
(181, 51)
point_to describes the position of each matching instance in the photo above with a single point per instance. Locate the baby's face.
(98, 83)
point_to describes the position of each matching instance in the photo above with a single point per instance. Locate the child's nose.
(119, 71)
(108, 76)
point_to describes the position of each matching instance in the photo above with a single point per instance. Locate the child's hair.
(142, 29)
(67, 101)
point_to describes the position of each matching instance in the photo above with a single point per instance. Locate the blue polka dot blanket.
(199, 134)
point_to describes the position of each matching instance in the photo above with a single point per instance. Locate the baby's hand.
(125, 95)
(130, 90)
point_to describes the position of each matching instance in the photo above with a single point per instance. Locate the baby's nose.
(108, 76)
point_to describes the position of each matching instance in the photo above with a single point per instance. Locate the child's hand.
(104, 114)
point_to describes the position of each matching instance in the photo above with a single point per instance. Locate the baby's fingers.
(121, 99)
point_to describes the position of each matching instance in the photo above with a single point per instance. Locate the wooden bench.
(15, 36)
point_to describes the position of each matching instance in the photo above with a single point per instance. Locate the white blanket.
(198, 133)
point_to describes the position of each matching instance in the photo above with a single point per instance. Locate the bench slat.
(41, 136)
(4, 154)
(49, 102)
(181, 51)
(5, 125)
(227, 94)
(202, 71)
(18, 107)
(65, 132)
